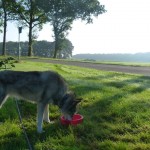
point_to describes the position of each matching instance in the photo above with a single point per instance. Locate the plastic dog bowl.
(77, 119)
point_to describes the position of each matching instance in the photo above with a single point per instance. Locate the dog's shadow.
(17, 141)
(50, 131)
(13, 141)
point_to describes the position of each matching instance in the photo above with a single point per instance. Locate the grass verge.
(115, 109)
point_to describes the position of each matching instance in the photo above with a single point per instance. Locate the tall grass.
(115, 109)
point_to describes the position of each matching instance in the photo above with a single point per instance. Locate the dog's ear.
(71, 92)
(78, 100)
(75, 102)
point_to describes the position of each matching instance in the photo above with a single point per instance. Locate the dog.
(41, 88)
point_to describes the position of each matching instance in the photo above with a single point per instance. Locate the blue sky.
(124, 28)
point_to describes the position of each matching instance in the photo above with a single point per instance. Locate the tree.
(40, 48)
(6, 15)
(62, 13)
(1, 20)
(87, 9)
(65, 49)
(1, 24)
(32, 17)
(59, 16)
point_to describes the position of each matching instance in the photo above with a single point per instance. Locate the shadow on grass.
(52, 135)
(103, 119)
(13, 141)
(103, 116)
(106, 102)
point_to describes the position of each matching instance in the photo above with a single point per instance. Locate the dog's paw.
(52, 122)
(40, 131)
(47, 120)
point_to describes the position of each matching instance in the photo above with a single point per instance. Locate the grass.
(115, 109)
(144, 64)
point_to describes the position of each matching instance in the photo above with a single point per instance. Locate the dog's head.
(68, 105)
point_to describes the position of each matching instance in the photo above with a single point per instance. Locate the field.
(116, 110)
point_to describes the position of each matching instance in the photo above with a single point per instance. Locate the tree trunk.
(4, 36)
(56, 48)
(30, 49)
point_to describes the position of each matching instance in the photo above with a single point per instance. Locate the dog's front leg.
(40, 112)
(46, 114)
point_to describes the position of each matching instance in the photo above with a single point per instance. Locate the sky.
(124, 28)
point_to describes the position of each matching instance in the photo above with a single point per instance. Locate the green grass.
(144, 64)
(116, 110)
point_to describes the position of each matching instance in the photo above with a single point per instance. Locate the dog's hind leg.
(46, 114)
(3, 96)
(40, 112)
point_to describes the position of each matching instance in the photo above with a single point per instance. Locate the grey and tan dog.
(39, 87)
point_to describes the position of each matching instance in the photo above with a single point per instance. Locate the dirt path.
(117, 68)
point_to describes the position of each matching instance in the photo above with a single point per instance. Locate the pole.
(19, 48)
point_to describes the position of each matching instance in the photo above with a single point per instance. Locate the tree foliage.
(59, 13)
(1, 19)
(62, 13)
(7, 63)
(65, 48)
(87, 9)
(40, 48)
(29, 15)
(1, 24)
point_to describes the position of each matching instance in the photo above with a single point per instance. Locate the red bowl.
(77, 119)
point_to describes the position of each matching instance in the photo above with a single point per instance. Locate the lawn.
(116, 110)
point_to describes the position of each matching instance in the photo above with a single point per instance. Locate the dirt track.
(117, 68)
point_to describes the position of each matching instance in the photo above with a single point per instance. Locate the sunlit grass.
(115, 109)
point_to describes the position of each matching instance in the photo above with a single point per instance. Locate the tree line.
(40, 48)
(60, 14)
(138, 57)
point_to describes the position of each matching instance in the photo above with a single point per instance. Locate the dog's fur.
(39, 87)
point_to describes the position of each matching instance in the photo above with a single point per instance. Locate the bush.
(7, 63)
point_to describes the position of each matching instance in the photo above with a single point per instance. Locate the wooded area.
(40, 48)
(138, 57)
